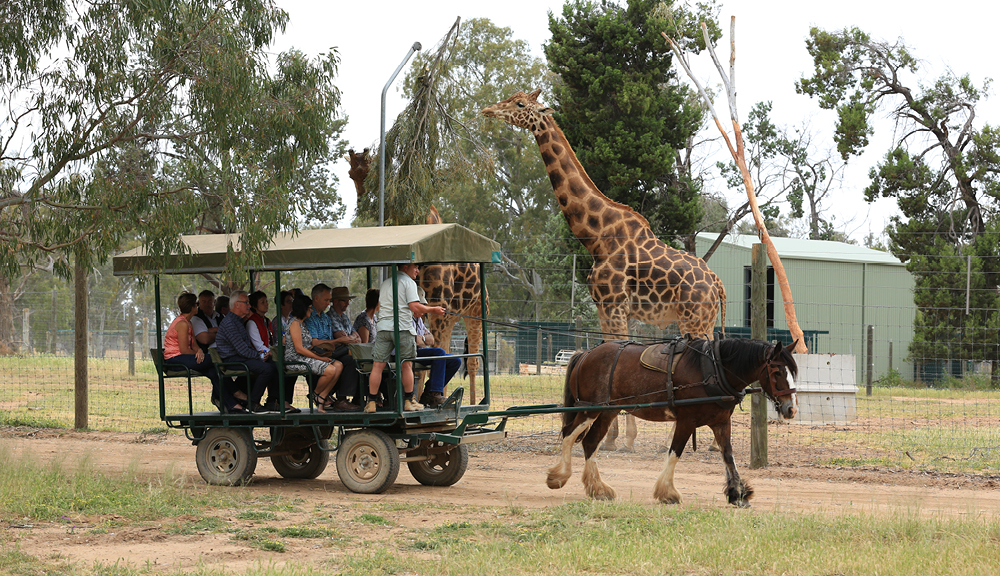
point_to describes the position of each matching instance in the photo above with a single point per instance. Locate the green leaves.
(621, 106)
(160, 118)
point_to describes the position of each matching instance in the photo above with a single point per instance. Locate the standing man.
(406, 303)
(234, 344)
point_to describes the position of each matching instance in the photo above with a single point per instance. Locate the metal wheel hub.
(223, 456)
(363, 462)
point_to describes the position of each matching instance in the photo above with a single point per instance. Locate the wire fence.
(867, 395)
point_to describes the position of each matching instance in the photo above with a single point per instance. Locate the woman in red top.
(179, 347)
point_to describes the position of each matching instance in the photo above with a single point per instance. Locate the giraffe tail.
(722, 308)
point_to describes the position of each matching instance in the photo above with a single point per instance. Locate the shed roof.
(326, 248)
(803, 249)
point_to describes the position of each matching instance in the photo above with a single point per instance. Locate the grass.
(954, 429)
(577, 538)
(62, 490)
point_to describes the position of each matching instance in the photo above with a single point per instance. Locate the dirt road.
(500, 477)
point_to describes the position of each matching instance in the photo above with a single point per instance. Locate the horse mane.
(743, 355)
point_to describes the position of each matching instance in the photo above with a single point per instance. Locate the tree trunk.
(6, 317)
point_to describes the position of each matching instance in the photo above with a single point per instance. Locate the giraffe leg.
(631, 431)
(560, 473)
(474, 332)
(609, 440)
(662, 448)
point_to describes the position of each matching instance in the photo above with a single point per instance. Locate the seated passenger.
(331, 333)
(262, 335)
(221, 308)
(179, 348)
(233, 342)
(364, 324)
(297, 349)
(442, 371)
(204, 321)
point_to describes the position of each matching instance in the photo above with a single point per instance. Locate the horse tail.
(569, 395)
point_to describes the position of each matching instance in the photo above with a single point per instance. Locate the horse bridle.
(772, 373)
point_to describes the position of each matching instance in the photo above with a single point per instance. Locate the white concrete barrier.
(827, 390)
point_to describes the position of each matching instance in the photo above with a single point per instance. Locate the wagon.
(369, 447)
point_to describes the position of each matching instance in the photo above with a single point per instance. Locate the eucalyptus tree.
(942, 169)
(125, 119)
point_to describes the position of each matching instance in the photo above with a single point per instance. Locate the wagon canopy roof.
(326, 248)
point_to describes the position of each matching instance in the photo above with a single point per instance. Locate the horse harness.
(663, 358)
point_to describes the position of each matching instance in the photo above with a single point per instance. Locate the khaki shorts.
(385, 342)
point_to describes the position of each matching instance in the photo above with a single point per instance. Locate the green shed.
(839, 290)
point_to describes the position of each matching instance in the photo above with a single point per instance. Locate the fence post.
(26, 330)
(538, 339)
(131, 339)
(890, 354)
(80, 345)
(871, 360)
(54, 326)
(579, 339)
(758, 330)
(144, 338)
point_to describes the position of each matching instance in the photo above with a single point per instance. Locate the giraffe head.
(360, 165)
(521, 110)
(433, 217)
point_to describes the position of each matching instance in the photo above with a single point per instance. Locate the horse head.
(779, 385)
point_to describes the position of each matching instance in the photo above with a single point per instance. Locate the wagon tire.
(307, 463)
(441, 469)
(227, 456)
(368, 461)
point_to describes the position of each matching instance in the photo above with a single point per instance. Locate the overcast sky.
(374, 37)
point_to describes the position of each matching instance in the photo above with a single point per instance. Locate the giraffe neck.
(584, 206)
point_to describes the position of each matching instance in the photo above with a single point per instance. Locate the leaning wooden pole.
(739, 155)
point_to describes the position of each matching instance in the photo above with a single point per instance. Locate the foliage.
(621, 106)
(127, 119)
(942, 171)
(784, 166)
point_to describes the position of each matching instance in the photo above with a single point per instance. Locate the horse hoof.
(662, 448)
(608, 447)
(555, 483)
(741, 504)
(610, 495)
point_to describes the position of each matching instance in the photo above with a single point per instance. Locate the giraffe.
(454, 286)
(635, 274)
(457, 288)
(360, 165)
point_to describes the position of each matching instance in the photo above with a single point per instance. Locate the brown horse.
(611, 374)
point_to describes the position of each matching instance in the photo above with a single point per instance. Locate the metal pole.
(381, 143)
(869, 372)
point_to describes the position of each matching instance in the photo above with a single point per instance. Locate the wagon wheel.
(368, 461)
(227, 456)
(306, 463)
(442, 469)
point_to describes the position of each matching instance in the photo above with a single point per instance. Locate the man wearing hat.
(329, 337)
